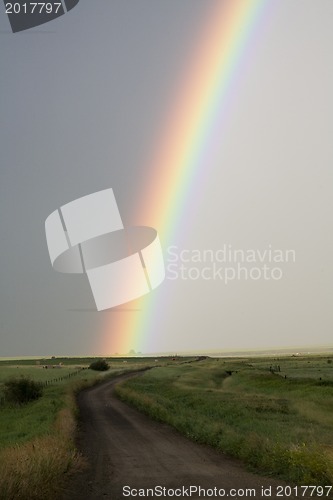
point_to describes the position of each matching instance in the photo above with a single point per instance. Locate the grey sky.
(82, 98)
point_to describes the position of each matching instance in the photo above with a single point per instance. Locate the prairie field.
(275, 414)
(63, 376)
(37, 450)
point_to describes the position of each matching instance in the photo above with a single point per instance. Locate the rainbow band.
(189, 140)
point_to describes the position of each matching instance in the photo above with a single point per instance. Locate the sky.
(85, 102)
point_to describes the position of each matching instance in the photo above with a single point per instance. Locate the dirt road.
(127, 451)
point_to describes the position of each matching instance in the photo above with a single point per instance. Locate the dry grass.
(34, 470)
(279, 427)
(38, 455)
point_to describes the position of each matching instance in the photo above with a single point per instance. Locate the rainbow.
(190, 137)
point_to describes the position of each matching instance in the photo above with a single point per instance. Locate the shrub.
(100, 365)
(22, 390)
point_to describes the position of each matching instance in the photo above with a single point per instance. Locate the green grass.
(37, 439)
(18, 425)
(37, 444)
(79, 361)
(279, 426)
(34, 372)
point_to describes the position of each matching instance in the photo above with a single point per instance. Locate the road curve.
(125, 448)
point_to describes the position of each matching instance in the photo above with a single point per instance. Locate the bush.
(22, 390)
(100, 365)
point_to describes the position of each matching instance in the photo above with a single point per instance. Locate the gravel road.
(126, 451)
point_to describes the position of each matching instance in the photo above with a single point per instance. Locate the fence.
(53, 381)
(47, 383)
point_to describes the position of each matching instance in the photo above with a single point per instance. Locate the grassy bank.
(275, 415)
(37, 449)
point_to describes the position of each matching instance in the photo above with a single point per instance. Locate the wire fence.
(47, 383)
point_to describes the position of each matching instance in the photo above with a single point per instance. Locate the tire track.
(125, 448)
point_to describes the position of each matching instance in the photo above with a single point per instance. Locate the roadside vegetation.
(37, 450)
(100, 365)
(21, 390)
(273, 414)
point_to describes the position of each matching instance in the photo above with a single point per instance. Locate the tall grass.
(280, 427)
(37, 468)
(37, 450)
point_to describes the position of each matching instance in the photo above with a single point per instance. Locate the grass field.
(37, 439)
(22, 424)
(274, 414)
